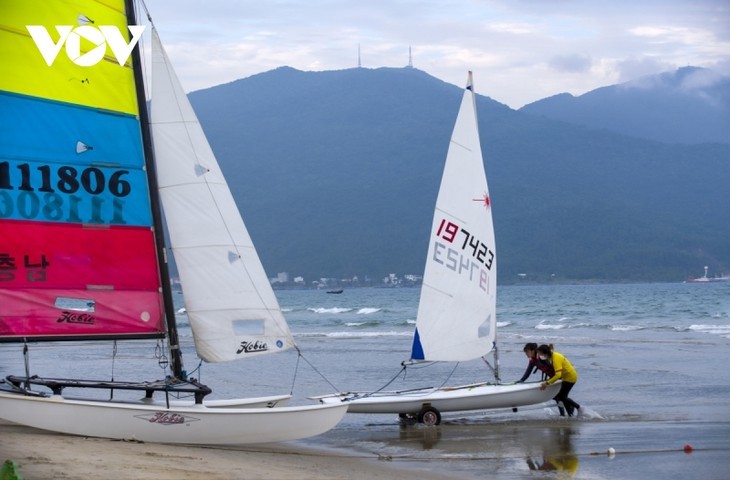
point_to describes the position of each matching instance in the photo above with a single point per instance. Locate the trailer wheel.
(429, 416)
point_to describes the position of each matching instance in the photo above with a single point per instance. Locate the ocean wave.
(367, 311)
(362, 324)
(625, 328)
(723, 330)
(354, 334)
(333, 310)
(545, 326)
(503, 324)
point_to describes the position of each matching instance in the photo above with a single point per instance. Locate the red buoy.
(688, 448)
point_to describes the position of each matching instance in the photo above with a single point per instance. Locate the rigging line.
(114, 358)
(401, 371)
(313, 368)
(450, 374)
(296, 371)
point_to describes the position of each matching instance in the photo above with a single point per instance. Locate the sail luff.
(456, 318)
(176, 363)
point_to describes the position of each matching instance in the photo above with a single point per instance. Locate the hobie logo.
(101, 37)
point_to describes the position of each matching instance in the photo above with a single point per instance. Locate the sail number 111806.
(63, 193)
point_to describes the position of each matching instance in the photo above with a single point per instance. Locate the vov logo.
(102, 36)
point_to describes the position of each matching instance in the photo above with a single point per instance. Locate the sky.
(519, 50)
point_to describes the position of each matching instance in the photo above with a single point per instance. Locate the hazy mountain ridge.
(336, 174)
(690, 105)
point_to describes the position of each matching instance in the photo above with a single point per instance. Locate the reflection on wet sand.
(523, 446)
(557, 454)
(427, 436)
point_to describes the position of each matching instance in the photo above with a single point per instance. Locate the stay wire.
(300, 355)
(114, 358)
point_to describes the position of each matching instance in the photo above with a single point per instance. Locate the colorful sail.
(231, 306)
(77, 248)
(456, 318)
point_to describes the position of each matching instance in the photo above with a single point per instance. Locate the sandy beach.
(527, 449)
(44, 455)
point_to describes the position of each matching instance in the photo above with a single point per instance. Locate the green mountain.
(336, 174)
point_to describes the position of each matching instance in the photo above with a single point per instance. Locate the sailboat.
(456, 319)
(82, 252)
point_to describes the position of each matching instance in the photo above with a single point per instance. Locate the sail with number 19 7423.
(82, 257)
(456, 318)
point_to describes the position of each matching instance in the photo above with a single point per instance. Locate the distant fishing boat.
(706, 279)
(335, 291)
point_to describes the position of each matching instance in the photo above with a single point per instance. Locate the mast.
(176, 364)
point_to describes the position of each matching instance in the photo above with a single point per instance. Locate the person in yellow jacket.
(563, 371)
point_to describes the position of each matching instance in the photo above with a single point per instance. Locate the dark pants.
(562, 396)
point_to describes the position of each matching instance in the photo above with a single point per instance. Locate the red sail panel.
(77, 280)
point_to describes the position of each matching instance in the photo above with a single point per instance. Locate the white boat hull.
(196, 424)
(481, 396)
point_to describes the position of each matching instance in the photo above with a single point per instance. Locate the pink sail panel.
(78, 280)
(57, 255)
(29, 313)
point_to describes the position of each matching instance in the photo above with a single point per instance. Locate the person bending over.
(563, 371)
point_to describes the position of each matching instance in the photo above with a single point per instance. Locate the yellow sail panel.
(102, 84)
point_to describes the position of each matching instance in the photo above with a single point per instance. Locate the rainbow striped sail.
(78, 257)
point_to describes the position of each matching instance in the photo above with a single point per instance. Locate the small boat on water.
(707, 279)
(335, 291)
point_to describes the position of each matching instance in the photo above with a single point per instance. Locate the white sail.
(456, 318)
(232, 308)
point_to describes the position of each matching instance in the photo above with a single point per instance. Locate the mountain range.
(336, 174)
(690, 105)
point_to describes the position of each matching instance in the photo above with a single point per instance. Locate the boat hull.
(449, 399)
(197, 424)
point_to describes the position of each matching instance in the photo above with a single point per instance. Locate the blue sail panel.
(67, 163)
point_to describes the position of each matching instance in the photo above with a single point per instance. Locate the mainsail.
(232, 308)
(456, 318)
(77, 249)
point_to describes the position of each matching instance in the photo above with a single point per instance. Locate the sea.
(652, 359)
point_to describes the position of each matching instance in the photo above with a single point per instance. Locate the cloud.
(521, 50)
(639, 66)
(575, 63)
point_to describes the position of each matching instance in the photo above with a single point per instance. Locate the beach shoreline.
(567, 448)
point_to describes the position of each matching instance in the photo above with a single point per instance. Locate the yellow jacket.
(563, 370)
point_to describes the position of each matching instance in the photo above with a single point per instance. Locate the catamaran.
(85, 174)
